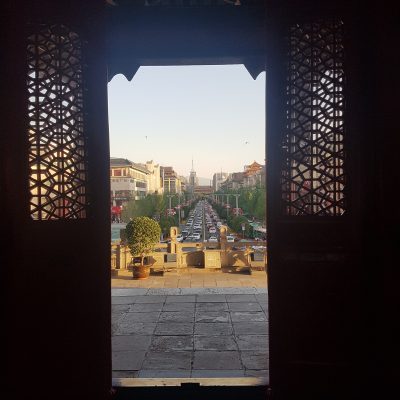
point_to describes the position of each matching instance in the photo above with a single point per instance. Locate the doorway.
(197, 131)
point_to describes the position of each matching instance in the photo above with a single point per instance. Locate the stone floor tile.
(176, 316)
(183, 283)
(245, 316)
(171, 284)
(215, 373)
(212, 316)
(131, 342)
(174, 360)
(210, 283)
(236, 306)
(214, 343)
(127, 292)
(168, 328)
(127, 360)
(120, 308)
(163, 291)
(213, 328)
(146, 307)
(216, 360)
(211, 298)
(250, 328)
(172, 343)
(181, 299)
(150, 299)
(137, 327)
(253, 342)
(262, 297)
(123, 299)
(179, 307)
(255, 360)
(150, 316)
(212, 307)
(249, 298)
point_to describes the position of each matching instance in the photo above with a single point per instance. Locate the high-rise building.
(154, 183)
(171, 181)
(193, 179)
(218, 179)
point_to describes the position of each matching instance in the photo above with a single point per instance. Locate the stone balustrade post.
(117, 256)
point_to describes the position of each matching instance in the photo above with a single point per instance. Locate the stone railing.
(175, 255)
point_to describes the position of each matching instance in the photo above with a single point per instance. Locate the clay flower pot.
(141, 271)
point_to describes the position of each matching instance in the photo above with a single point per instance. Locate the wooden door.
(56, 190)
(311, 218)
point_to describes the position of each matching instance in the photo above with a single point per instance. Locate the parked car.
(212, 239)
(230, 238)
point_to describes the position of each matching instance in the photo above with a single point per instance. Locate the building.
(218, 179)
(254, 175)
(184, 183)
(201, 189)
(171, 181)
(154, 179)
(235, 181)
(128, 181)
(193, 179)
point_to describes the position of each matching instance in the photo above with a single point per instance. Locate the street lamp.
(179, 210)
(227, 207)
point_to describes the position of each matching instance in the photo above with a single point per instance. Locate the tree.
(142, 234)
(236, 224)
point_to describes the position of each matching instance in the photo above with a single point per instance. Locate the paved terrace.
(190, 326)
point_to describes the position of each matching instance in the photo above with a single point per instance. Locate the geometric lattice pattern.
(57, 165)
(313, 178)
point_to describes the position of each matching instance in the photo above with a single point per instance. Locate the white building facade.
(128, 181)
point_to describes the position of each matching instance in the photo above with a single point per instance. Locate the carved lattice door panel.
(309, 220)
(313, 179)
(57, 154)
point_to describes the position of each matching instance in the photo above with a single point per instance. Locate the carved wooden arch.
(179, 34)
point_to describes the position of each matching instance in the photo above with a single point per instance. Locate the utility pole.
(237, 203)
(227, 207)
(170, 207)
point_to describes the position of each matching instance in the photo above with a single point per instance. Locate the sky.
(214, 115)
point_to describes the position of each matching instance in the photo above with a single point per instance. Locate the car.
(212, 239)
(212, 230)
(230, 238)
(189, 238)
(185, 233)
(196, 236)
(179, 238)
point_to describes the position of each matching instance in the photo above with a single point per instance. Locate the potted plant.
(142, 234)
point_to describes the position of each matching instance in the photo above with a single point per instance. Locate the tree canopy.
(142, 234)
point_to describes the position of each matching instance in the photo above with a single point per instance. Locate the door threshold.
(157, 382)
